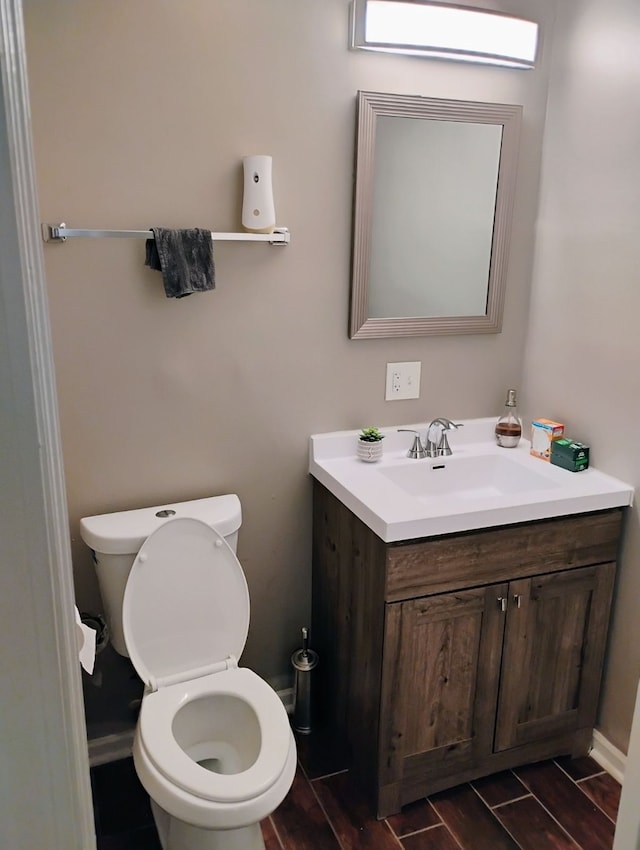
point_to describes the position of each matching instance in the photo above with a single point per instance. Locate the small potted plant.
(370, 445)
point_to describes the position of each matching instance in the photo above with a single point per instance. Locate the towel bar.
(60, 233)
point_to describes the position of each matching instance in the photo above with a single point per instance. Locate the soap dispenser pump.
(509, 425)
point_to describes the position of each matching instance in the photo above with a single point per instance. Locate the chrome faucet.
(437, 444)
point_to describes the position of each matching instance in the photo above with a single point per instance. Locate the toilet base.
(175, 834)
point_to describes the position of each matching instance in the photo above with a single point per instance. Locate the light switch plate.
(403, 380)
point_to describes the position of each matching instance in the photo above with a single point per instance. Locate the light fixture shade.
(444, 32)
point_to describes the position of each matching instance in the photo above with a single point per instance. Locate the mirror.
(434, 189)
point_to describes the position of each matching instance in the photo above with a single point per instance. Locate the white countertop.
(393, 513)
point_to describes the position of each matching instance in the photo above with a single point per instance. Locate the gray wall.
(141, 113)
(583, 355)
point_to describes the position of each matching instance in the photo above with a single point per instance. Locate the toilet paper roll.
(86, 638)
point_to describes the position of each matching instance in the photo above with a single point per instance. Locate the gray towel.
(185, 258)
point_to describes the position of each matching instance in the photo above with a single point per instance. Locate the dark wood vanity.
(449, 658)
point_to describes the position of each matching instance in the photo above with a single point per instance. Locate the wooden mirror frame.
(369, 106)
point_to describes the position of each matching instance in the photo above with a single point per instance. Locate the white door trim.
(45, 794)
(627, 835)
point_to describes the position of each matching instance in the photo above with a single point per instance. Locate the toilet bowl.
(213, 747)
(216, 754)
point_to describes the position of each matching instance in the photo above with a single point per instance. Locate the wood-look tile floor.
(555, 805)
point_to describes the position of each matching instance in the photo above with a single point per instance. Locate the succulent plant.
(371, 435)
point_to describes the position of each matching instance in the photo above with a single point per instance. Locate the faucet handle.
(444, 449)
(417, 450)
(437, 443)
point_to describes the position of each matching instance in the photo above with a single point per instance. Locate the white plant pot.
(369, 452)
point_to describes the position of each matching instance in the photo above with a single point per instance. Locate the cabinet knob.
(502, 603)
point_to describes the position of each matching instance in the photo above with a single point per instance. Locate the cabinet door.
(440, 684)
(553, 651)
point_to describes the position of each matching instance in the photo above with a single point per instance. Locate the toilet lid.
(186, 604)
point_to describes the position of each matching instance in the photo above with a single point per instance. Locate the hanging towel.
(185, 258)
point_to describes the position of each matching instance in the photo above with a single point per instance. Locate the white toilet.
(213, 747)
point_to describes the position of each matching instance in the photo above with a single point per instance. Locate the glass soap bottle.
(509, 425)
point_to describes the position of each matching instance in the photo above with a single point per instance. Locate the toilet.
(213, 747)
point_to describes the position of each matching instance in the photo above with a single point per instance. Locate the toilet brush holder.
(304, 661)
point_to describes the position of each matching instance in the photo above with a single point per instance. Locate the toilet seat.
(185, 621)
(186, 604)
(156, 735)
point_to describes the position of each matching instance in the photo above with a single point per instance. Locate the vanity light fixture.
(442, 31)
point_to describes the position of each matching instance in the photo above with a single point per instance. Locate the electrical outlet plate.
(403, 381)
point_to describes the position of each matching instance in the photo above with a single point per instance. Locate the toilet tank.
(116, 538)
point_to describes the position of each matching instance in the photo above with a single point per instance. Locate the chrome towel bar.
(60, 233)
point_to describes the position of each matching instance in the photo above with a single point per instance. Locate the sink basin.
(479, 486)
(467, 477)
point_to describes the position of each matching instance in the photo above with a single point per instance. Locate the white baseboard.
(119, 746)
(609, 758)
(110, 747)
(286, 695)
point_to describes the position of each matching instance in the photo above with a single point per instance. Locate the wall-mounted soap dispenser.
(258, 209)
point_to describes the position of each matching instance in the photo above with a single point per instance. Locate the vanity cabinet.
(453, 657)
